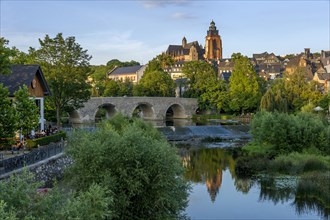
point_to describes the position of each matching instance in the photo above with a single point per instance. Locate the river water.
(217, 193)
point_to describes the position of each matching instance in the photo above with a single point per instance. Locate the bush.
(296, 163)
(288, 133)
(33, 143)
(20, 199)
(133, 160)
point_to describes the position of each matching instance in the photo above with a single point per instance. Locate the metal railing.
(34, 156)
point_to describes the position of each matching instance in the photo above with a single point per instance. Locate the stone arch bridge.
(150, 108)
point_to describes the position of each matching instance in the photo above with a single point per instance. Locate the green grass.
(253, 148)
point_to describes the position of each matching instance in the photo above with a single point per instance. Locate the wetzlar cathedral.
(193, 51)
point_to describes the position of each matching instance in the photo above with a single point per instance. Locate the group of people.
(42, 133)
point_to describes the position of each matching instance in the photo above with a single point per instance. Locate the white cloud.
(180, 15)
(163, 3)
(104, 46)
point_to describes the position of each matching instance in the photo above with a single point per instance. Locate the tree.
(199, 75)
(8, 118)
(215, 96)
(5, 55)
(66, 68)
(156, 83)
(275, 98)
(299, 91)
(135, 163)
(160, 62)
(26, 109)
(244, 90)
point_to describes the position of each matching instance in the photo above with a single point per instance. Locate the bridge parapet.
(154, 108)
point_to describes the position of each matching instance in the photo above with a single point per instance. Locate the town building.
(132, 73)
(33, 77)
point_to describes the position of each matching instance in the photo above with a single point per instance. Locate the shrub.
(288, 133)
(134, 161)
(296, 163)
(33, 143)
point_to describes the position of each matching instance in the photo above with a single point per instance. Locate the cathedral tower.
(213, 43)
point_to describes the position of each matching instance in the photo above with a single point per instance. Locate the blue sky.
(139, 30)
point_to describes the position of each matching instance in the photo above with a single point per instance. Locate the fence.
(32, 157)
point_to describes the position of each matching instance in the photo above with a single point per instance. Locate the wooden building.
(33, 77)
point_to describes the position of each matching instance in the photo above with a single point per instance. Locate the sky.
(141, 29)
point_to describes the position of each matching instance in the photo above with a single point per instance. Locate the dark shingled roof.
(23, 75)
(125, 70)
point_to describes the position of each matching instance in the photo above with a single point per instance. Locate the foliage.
(27, 110)
(275, 97)
(159, 63)
(66, 68)
(244, 88)
(288, 133)
(199, 75)
(5, 56)
(20, 199)
(33, 143)
(215, 96)
(155, 83)
(8, 117)
(133, 161)
(117, 63)
(299, 92)
(297, 163)
(118, 88)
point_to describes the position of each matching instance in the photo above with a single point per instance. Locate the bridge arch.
(175, 111)
(106, 110)
(144, 110)
(74, 117)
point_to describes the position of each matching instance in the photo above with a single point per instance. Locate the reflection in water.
(206, 165)
(309, 196)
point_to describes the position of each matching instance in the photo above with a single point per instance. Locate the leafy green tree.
(160, 62)
(133, 161)
(66, 67)
(299, 91)
(111, 88)
(199, 75)
(157, 83)
(275, 99)
(5, 55)
(8, 118)
(244, 90)
(215, 96)
(26, 109)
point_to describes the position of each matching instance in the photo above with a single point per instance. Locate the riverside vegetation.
(290, 144)
(123, 170)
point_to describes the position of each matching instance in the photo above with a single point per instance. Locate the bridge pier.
(151, 108)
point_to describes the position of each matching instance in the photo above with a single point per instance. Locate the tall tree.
(244, 90)
(275, 98)
(26, 109)
(299, 91)
(66, 67)
(156, 83)
(199, 75)
(8, 118)
(5, 55)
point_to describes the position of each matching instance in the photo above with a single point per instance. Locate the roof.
(125, 70)
(324, 76)
(23, 75)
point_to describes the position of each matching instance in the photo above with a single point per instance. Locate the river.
(217, 193)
